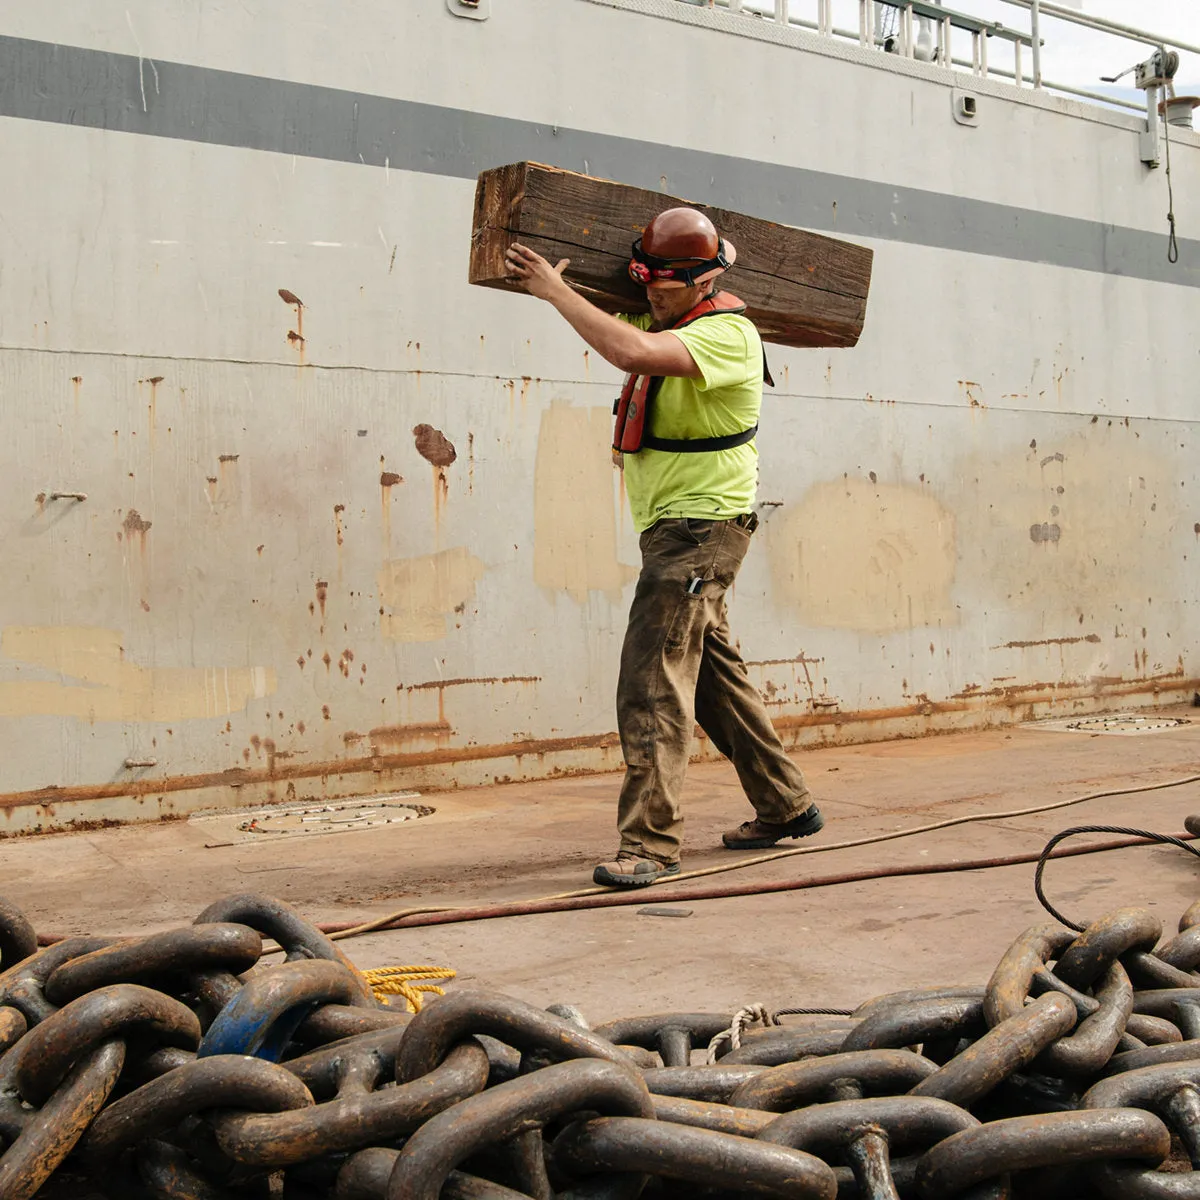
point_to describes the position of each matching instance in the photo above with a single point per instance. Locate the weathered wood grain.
(800, 288)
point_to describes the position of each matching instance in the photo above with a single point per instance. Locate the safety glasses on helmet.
(648, 270)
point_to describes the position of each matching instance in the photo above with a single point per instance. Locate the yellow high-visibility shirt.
(713, 484)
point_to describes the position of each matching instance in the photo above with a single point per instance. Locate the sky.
(1078, 56)
(1071, 54)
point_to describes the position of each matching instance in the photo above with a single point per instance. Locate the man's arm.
(628, 348)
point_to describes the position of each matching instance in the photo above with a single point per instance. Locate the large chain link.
(180, 1065)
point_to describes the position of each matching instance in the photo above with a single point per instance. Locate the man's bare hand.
(534, 273)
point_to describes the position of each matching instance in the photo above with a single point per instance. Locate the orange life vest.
(633, 407)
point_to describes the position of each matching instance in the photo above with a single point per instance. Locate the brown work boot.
(760, 835)
(631, 870)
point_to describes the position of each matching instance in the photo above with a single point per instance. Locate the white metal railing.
(929, 29)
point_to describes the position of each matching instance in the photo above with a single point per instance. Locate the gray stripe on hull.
(96, 89)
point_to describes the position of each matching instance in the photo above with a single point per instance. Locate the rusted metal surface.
(866, 1133)
(917, 1021)
(1091, 1045)
(224, 1082)
(17, 939)
(13, 1027)
(49, 1134)
(1145, 1088)
(1094, 951)
(786, 1045)
(534, 1103)
(365, 1176)
(35, 1067)
(1148, 970)
(910, 1122)
(320, 1070)
(709, 1114)
(988, 1152)
(1152, 1056)
(698, 1156)
(299, 938)
(717, 1082)
(872, 1072)
(1096, 957)
(179, 952)
(870, 1164)
(168, 1172)
(1182, 952)
(915, 995)
(1171, 1092)
(1154, 1031)
(266, 1012)
(76, 805)
(439, 1026)
(1013, 1044)
(1012, 979)
(21, 987)
(673, 1035)
(502, 1112)
(364, 1112)
(246, 660)
(332, 1022)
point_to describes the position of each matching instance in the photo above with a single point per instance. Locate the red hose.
(521, 908)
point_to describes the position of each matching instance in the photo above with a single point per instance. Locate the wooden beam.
(800, 288)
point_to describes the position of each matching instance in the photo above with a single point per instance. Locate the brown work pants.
(679, 667)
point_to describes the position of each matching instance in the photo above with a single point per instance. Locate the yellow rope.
(403, 981)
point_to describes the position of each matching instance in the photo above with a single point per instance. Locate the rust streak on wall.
(135, 523)
(1032, 693)
(1093, 638)
(431, 684)
(241, 776)
(799, 661)
(1015, 698)
(393, 738)
(825, 716)
(417, 729)
(433, 446)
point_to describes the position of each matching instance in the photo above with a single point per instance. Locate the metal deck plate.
(273, 822)
(1119, 724)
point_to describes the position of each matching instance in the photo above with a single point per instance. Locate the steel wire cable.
(380, 923)
(1151, 837)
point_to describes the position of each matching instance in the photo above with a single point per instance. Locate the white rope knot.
(750, 1015)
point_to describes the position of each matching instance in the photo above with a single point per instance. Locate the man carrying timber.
(686, 424)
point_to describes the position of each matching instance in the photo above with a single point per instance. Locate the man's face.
(669, 304)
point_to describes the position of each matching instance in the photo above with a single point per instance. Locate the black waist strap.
(698, 445)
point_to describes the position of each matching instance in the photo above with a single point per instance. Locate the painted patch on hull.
(575, 523)
(96, 684)
(423, 592)
(866, 556)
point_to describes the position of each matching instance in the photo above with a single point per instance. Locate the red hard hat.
(680, 238)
